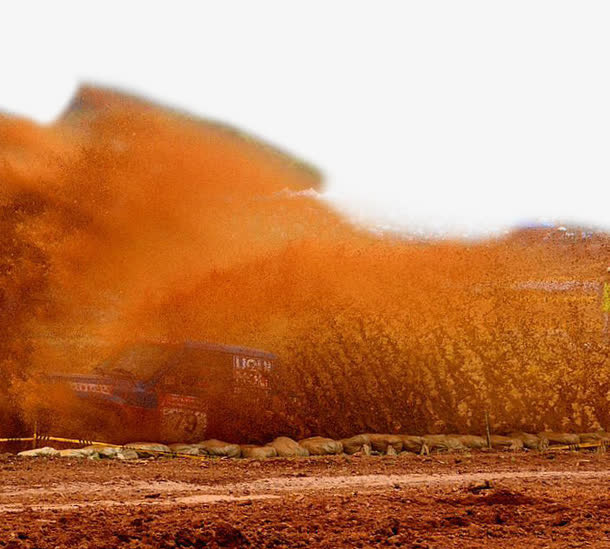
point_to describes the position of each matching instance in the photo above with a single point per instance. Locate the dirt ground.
(479, 500)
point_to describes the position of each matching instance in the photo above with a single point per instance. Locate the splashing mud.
(124, 221)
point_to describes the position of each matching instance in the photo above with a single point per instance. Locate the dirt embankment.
(483, 500)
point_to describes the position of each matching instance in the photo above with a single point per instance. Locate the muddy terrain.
(480, 500)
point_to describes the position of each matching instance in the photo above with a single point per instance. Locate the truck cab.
(169, 392)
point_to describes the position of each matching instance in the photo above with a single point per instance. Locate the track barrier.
(38, 439)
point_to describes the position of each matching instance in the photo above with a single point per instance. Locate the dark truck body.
(175, 393)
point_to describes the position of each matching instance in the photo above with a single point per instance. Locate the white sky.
(465, 117)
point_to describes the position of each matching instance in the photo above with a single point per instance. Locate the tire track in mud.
(173, 493)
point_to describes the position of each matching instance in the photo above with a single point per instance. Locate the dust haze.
(124, 221)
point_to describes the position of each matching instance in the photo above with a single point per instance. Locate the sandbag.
(473, 442)
(286, 447)
(321, 446)
(110, 452)
(443, 443)
(126, 453)
(47, 451)
(79, 453)
(500, 442)
(599, 436)
(257, 452)
(356, 444)
(560, 438)
(148, 449)
(219, 448)
(530, 441)
(188, 449)
(413, 443)
(381, 442)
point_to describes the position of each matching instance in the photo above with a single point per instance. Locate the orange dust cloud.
(124, 221)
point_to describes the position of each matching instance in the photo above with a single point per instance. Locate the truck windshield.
(141, 362)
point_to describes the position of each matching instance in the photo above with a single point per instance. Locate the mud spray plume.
(124, 221)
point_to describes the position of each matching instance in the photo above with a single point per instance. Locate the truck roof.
(146, 361)
(232, 349)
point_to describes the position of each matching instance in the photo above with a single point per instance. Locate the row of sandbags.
(281, 446)
(365, 444)
(389, 444)
(518, 440)
(90, 452)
